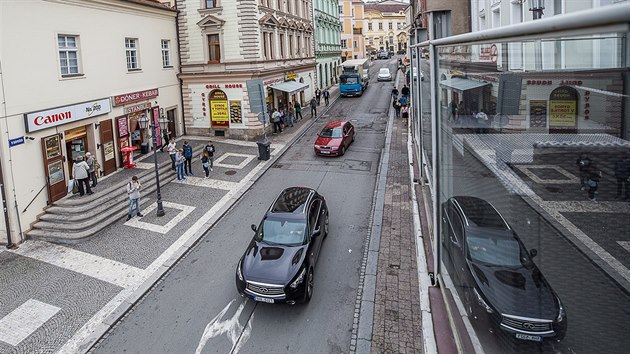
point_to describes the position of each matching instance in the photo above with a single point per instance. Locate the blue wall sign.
(16, 141)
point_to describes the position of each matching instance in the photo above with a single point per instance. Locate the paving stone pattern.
(397, 315)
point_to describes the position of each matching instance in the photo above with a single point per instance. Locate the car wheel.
(309, 286)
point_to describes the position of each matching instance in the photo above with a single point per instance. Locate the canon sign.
(57, 116)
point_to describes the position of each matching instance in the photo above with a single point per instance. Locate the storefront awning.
(460, 84)
(290, 87)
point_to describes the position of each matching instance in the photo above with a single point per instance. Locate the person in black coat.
(622, 174)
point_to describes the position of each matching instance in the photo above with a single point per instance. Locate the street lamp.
(144, 122)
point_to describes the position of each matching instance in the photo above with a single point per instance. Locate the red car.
(334, 139)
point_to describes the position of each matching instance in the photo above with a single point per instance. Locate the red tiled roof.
(386, 6)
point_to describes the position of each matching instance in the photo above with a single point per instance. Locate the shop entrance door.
(107, 147)
(170, 114)
(76, 142)
(53, 166)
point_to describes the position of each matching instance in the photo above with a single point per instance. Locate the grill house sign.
(57, 116)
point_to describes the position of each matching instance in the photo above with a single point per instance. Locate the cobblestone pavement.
(397, 315)
(62, 298)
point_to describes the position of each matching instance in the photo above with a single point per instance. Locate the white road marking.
(625, 245)
(24, 320)
(185, 210)
(83, 338)
(104, 269)
(570, 178)
(246, 160)
(231, 327)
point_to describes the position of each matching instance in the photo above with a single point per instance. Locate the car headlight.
(333, 148)
(298, 280)
(482, 302)
(239, 272)
(561, 312)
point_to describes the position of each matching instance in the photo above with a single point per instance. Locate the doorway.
(170, 114)
(76, 143)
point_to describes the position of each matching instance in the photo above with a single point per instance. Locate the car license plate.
(325, 152)
(264, 299)
(528, 337)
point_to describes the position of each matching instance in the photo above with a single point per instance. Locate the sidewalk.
(63, 298)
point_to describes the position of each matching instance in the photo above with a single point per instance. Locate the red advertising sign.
(155, 113)
(135, 96)
(123, 126)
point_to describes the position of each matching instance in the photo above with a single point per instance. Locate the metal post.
(160, 208)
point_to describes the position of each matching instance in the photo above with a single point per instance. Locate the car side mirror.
(254, 228)
(532, 253)
(316, 232)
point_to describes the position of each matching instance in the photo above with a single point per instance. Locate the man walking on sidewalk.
(210, 149)
(318, 95)
(313, 107)
(298, 111)
(188, 154)
(172, 151)
(133, 191)
(326, 96)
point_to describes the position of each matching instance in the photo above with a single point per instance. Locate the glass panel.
(534, 152)
(61, 40)
(71, 42)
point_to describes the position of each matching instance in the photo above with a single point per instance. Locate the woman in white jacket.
(80, 174)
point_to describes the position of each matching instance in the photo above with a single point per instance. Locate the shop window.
(344, 43)
(214, 49)
(131, 52)
(380, 26)
(369, 26)
(391, 25)
(166, 53)
(290, 46)
(68, 55)
(282, 49)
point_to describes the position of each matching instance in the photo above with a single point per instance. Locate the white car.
(415, 76)
(384, 75)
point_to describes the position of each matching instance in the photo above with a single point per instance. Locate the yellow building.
(385, 23)
(352, 31)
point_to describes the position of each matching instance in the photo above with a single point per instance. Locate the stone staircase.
(72, 219)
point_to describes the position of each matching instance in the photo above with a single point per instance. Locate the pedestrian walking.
(276, 119)
(594, 175)
(210, 149)
(165, 140)
(318, 95)
(188, 154)
(397, 106)
(298, 110)
(404, 112)
(172, 151)
(395, 93)
(405, 90)
(90, 160)
(205, 162)
(290, 115)
(133, 191)
(179, 161)
(326, 96)
(584, 164)
(80, 173)
(622, 174)
(313, 108)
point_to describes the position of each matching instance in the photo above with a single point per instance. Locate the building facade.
(69, 87)
(385, 23)
(327, 41)
(351, 14)
(224, 44)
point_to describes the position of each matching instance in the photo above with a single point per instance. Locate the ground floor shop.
(327, 71)
(45, 145)
(216, 106)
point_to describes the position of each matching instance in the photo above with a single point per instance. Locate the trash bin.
(263, 149)
(144, 148)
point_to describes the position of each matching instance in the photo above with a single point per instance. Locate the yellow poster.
(562, 113)
(220, 113)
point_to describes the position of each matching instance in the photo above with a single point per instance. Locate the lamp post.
(144, 124)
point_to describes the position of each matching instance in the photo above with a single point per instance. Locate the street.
(196, 306)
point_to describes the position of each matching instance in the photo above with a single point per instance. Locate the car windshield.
(384, 71)
(349, 80)
(504, 252)
(331, 133)
(282, 232)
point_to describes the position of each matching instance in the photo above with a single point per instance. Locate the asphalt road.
(196, 308)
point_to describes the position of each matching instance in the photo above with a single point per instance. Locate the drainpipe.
(181, 82)
(7, 224)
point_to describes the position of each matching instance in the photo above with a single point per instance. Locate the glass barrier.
(534, 190)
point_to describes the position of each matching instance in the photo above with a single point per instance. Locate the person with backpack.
(276, 119)
(133, 191)
(594, 175)
(80, 174)
(210, 149)
(584, 164)
(298, 111)
(188, 154)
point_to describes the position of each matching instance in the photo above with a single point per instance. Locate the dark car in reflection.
(501, 285)
(279, 263)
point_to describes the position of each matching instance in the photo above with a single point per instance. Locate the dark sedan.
(502, 286)
(279, 263)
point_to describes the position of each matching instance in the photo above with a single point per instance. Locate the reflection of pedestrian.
(326, 96)
(594, 175)
(313, 108)
(622, 172)
(133, 191)
(583, 163)
(298, 110)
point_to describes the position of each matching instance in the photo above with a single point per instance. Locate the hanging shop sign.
(538, 114)
(135, 97)
(123, 126)
(291, 76)
(563, 107)
(219, 109)
(57, 116)
(235, 112)
(138, 108)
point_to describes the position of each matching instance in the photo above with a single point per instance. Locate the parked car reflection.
(500, 285)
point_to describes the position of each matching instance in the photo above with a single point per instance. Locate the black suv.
(279, 262)
(502, 286)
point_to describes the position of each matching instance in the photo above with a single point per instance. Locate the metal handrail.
(35, 197)
(611, 15)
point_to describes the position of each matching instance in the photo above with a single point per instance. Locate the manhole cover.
(230, 172)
